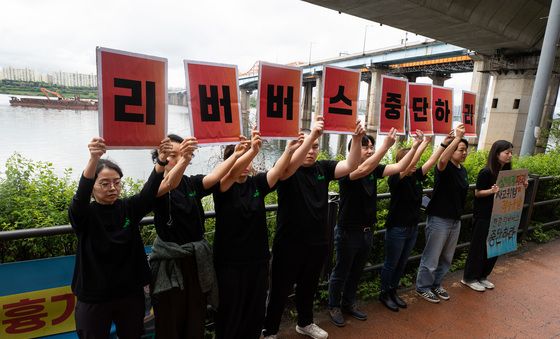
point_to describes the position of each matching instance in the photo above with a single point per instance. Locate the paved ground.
(524, 304)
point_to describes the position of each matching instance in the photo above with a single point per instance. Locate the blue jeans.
(352, 250)
(441, 239)
(399, 242)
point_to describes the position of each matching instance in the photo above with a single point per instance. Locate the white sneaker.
(475, 285)
(486, 283)
(312, 331)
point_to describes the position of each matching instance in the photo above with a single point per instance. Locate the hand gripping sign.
(278, 108)
(132, 98)
(214, 102)
(420, 108)
(339, 104)
(393, 104)
(442, 110)
(468, 116)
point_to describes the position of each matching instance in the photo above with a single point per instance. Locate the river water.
(61, 137)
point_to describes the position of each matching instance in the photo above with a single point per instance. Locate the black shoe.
(355, 312)
(386, 300)
(395, 297)
(336, 316)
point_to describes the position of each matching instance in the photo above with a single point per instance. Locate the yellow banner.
(37, 313)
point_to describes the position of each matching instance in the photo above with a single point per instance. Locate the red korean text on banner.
(393, 104)
(340, 99)
(442, 110)
(132, 99)
(279, 101)
(468, 115)
(214, 102)
(420, 108)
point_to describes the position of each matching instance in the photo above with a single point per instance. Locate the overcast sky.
(62, 34)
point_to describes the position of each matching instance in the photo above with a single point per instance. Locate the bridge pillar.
(307, 105)
(548, 111)
(438, 78)
(373, 100)
(479, 84)
(510, 104)
(244, 96)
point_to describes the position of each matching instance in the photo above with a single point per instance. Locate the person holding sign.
(357, 218)
(301, 243)
(402, 220)
(181, 259)
(444, 218)
(241, 251)
(111, 269)
(478, 265)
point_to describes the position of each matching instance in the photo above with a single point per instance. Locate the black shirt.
(187, 213)
(406, 199)
(241, 232)
(358, 200)
(303, 204)
(110, 258)
(483, 206)
(450, 192)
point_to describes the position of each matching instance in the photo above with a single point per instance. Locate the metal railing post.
(531, 197)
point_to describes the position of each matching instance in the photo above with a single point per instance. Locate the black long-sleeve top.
(110, 258)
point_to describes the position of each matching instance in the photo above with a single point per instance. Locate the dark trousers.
(181, 313)
(299, 264)
(399, 242)
(478, 266)
(93, 321)
(352, 250)
(242, 291)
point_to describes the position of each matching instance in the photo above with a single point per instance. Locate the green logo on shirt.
(371, 178)
(192, 194)
(256, 194)
(320, 177)
(126, 223)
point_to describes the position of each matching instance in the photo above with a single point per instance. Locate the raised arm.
(436, 154)
(299, 155)
(174, 176)
(273, 175)
(345, 167)
(448, 152)
(406, 162)
(241, 164)
(371, 163)
(96, 149)
(225, 166)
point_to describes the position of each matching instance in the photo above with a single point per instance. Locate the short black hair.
(106, 163)
(365, 140)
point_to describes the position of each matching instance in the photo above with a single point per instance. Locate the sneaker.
(355, 312)
(487, 284)
(312, 331)
(441, 293)
(428, 295)
(336, 316)
(272, 336)
(475, 285)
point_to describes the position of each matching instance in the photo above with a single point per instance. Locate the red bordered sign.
(442, 110)
(420, 108)
(468, 113)
(132, 98)
(214, 102)
(393, 104)
(339, 104)
(279, 94)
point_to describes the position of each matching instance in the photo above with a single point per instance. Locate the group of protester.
(237, 275)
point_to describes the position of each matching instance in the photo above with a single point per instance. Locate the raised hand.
(165, 147)
(187, 148)
(390, 139)
(418, 136)
(242, 146)
(97, 148)
(318, 126)
(460, 131)
(427, 139)
(256, 141)
(359, 131)
(293, 145)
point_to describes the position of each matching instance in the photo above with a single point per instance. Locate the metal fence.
(524, 227)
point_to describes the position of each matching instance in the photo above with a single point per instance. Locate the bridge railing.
(524, 227)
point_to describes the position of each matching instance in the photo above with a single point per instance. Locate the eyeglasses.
(107, 185)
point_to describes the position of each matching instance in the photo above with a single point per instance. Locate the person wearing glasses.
(111, 269)
(357, 218)
(444, 218)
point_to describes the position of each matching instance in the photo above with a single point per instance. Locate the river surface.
(61, 137)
